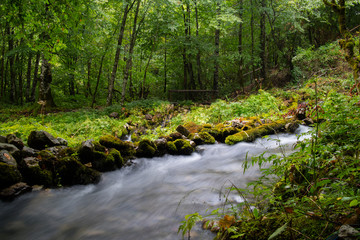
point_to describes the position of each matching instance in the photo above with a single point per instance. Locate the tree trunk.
(28, 77)
(146, 69)
(19, 60)
(252, 41)
(117, 57)
(11, 65)
(45, 96)
(263, 43)
(216, 53)
(2, 69)
(165, 67)
(198, 55)
(88, 84)
(129, 62)
(240, 47)
(36, 77)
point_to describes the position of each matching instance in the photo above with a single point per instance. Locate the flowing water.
(145, 201)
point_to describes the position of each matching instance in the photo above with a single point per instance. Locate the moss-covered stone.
(9, 175)
(252, 134)
(161, 146)
(69, 172)
(192, 127)
(171, 147)
(103, 162)
(202, 138)
(215, 132)
(183, 147)
(146, 149)
(34, 175)
(127, 149)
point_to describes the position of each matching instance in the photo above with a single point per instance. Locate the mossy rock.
(171, 147)
(101, 162)
(127, 149)
(34, 175)
(69, 172)
(192, 127)
(146, 149)
(183, 147)
(202, 138)
(252, 134)
(9, 175)
(161, 146)
(215, 132)
(225, 132)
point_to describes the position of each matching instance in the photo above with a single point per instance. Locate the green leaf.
(354, 203)
(278, 231)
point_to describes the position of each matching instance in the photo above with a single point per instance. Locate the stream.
(144, 201)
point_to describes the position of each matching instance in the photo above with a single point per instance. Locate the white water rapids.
(137, 202)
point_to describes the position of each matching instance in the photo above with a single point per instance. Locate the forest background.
(96, 52)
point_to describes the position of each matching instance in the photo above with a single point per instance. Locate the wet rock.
(202, 138)
(301, 111)
(181, 129)
(237, 124)
(127, 149)
(34, 175)
(58, 150)
(14, 140)
(114, 115)
(86, 151)
(161, 146)
(3, 139)
(41, 140)
(28, 152)
(146, 149)
(10, 193)
(9, 175)
(7, 158)
(183, 147)
(308, 121)
(175, 136)
(8, 147)
(346, 232)
(104, 162)
(291, 126)
(62, 141)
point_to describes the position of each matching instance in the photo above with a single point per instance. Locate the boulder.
(181, 129)
(346, 232)
(202, 138)
(236, 124)
(41, 140)
(8, 147)
(28, 152)
(10, 193)
(86, 151)
(161, 146)
(14, 140)
(7, 158)
(291, 126)
(127, 149)
(183, 147)
(146, 149)
(114, 115)
(62, 141)
(308, 121)
(34, 175)
(107, 161)
(176, 135)
(9, 175)
(3, 139)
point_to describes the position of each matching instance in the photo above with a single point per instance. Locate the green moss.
(183, 147)
(252, 134)
(69, 172)
(216, 133)
(146, 149)
(9, 175)
(34, 175)
(206, 138)
(171, 147)
(116, 155)
(126, 149)
(103, 162)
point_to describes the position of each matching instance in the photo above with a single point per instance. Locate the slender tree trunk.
(11, 65)
(19, 64)
(216, 53)
(198, 55)
(129, 62)
(45, 96)
(252, 41)
(240, 47)
(2, 69)
(165, 66)
(98, 79)
(146, 69)
(36, 77)
(117, 57)
(263, 41)
(88, 84)
(28, 77)
(185, 60)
